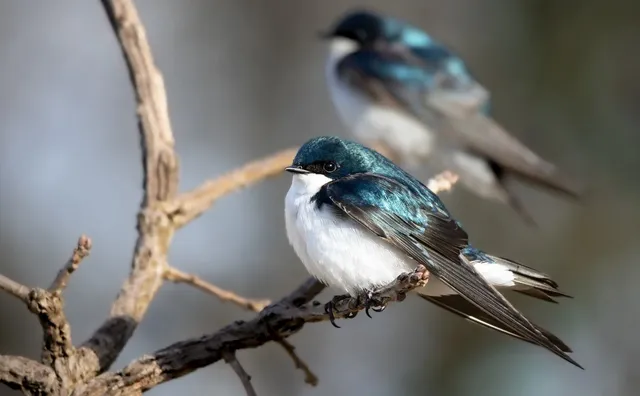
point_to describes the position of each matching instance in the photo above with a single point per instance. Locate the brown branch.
(55, 327)
(162, 212)
(442, 182)
(309, 377)
(175, 275)
(160, 164)
(231, 360)
(81, 251)
(190, 205)
(28, 376)
(18, 290)
(279, 320)
(48, 306)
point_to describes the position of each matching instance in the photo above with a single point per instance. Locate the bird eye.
(329, 167)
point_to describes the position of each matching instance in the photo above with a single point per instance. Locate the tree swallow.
(396, 88)
(357, 221)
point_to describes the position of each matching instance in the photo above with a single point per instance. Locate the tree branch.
(28, 376)
(18, 290)
(175, 275)
(162, 212)
(160, 163)
(442, 182)
(231, 360)
(309, 377)
(279, 320)
(48, 306)
(81, 251)
(190, 205)
(56, 330)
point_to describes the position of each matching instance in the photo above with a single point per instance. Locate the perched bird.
(396, 88)
(357, 221)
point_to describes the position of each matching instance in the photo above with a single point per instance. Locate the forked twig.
(81, 251)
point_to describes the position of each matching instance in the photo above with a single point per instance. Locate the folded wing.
(415, 221)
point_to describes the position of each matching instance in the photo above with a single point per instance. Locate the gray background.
(244, 79)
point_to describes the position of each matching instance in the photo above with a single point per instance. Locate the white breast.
(373, 123)
(338, 252)
(344, 255)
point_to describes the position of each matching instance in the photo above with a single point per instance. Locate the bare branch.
(48, 306)
(442, 182)
(162, 212)
(231, 360)
(159, 159)
(14, 288)
(278, 321)
(175, 275)
(160, 163)
(191, 205)
(81, 251)
(57, 333)
(309, 377)
(28, 376)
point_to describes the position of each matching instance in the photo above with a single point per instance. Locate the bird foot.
(371, 302)
(330, 309)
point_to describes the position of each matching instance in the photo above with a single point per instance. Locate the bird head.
(334, 158)
(361, 27)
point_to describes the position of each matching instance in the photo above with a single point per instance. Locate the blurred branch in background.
(231, 360)
(188, 206)
(66, 370)
(177, 276)
(79, 253)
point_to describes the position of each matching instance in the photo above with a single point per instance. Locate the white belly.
(371, 123)
(348, 257)
(338, 252)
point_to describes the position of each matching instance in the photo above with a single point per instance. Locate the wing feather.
(413, 219)
(448, 100)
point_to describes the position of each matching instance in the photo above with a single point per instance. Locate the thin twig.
(188, 206)
(309, 377)
(442, 182)
(14, 288)
(175, 275)
(231, 360)
(81, 251)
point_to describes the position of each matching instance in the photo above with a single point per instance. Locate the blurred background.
(245, 79)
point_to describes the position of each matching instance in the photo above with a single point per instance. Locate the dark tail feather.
(518, 207)
(550, 179)
(554, 182)
(460, 306)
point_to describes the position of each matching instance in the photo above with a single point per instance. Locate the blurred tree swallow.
(396, 88)
(357, 221)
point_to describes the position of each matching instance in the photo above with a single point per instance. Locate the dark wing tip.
(458, 305)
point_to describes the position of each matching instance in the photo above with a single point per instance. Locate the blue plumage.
(397, 87)
(400, 193)
(344, 194)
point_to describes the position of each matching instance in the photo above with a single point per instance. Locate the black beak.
(325, 35)
(296, 169)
